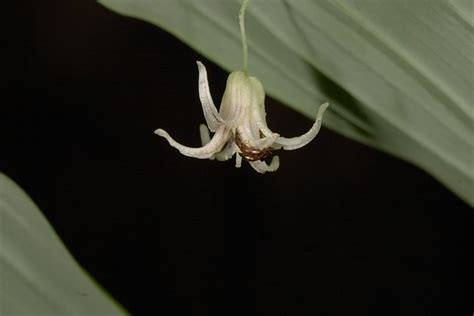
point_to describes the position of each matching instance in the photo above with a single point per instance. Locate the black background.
(340, 229)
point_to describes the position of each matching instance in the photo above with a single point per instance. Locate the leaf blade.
(38, 275)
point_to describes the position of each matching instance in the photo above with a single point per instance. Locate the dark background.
(340, 229)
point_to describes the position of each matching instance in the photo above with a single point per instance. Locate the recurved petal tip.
(262, 167)
(274, 164)
(161, 132)
(300, 141)
(319, 116)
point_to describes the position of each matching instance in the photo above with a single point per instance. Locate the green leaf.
(398, 74)
(38, 276)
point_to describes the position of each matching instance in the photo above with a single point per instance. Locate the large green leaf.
(38, 276)
(398, 74)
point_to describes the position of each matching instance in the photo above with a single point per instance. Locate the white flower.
(239, 126)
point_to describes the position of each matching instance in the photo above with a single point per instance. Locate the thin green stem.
(242, 33)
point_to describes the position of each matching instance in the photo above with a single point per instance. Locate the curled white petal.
(250, 128)
(298, 142)
(228, 151)
(205, 136)
(258, 108)
(264, 142)
(238, 160)
(259, 116)
(207, 151)
(213, 119)
(236, 99)
(262, 167)
(256, 142)
(204, 133)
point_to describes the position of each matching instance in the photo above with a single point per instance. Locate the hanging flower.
(240, 126)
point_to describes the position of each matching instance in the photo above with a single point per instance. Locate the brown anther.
(250, 153)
